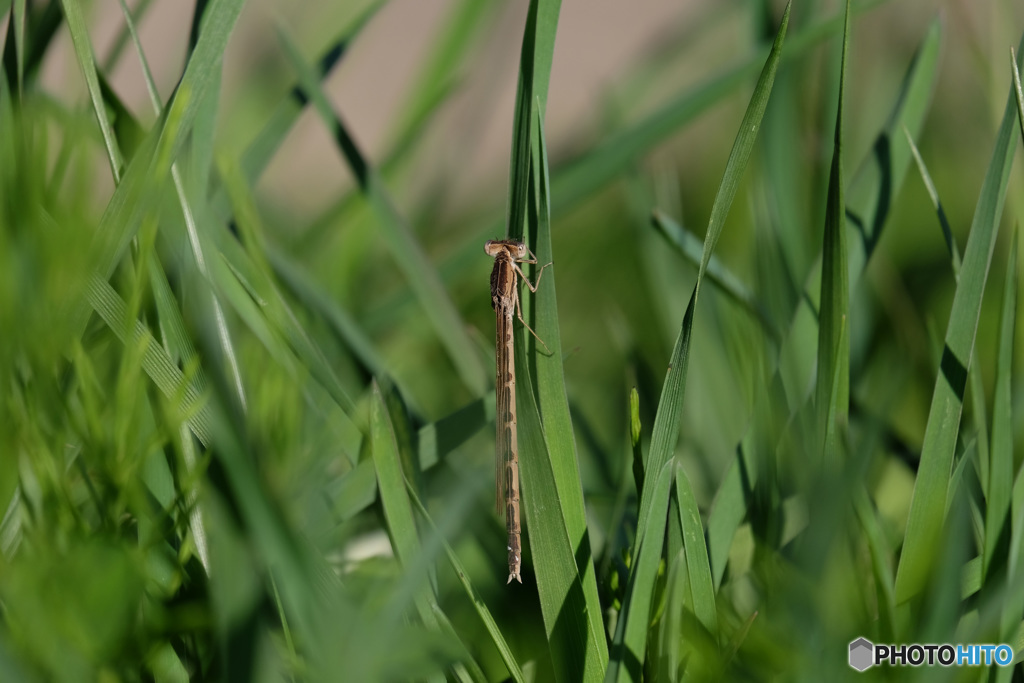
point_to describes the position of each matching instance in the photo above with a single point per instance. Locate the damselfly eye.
(521, 250)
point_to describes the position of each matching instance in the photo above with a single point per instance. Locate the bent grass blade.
(505, 301)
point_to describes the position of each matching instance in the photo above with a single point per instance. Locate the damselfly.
(508, 254)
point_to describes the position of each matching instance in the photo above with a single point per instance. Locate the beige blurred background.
(599, 46)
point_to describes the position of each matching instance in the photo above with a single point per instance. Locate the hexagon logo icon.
(862, 654)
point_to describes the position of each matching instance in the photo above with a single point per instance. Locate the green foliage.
(242, 442)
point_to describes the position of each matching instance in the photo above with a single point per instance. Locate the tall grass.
(239, 442)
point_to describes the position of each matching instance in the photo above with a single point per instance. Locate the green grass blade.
(1017, 92)
(997, 505)
(666, 426)
(925, 523)
(631, 641)
(868, 203)
(833, 356)
(697, 566)
(933, 194)
(399, 238)
(155, 361)
(261, 149)
(552, 398)
(438, 77)
(86, 61)
(631, 630)
(573, 643)
(478, 604)
(401, 525)
(593, 170)
(690, 246)
(17, 20)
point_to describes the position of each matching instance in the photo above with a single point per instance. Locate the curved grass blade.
(631, 631)
(404, 247)
(833, 354)
(927, 506)
(868, 204)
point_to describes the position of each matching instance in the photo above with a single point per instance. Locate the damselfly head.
(513, 248)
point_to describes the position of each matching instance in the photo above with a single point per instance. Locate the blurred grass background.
(228, 316)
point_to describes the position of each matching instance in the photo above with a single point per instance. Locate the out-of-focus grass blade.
(394, 495)
(933, 194)
(927, 506)
(698, 569)
(262, 148)
(478, 604)
(17, 20)
(356, 490)
(1018, 94)
(690, 246)
(437, 77)
(591, 171)
(997, 505)
(83, 50)
(626, 661)
(155, 361)
(833, 356)
(121, 40)
(152, 161)
(630, 636)
(974, 373)
(868, 203)
(404, 247)
(394, 500)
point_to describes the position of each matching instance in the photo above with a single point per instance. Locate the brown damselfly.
(508, 254)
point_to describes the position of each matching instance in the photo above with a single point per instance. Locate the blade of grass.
(573, 643)
(552, 399)
(261, 149)
(997, 505)
(868, 196)
(83, 50)
(17, 20)
(698, 569)
(833, 356)
(405, 248)
(200, 142)
(930, 489)
(478, 604)
(155, 361)
(559, 543)
(631, 631)
(626, 661)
